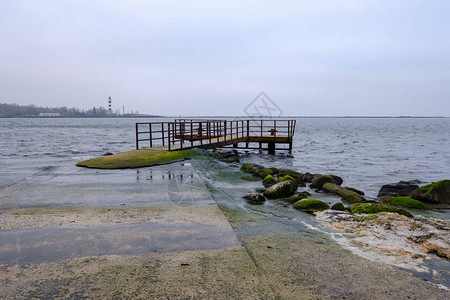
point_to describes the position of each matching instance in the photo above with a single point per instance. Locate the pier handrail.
(189, 133)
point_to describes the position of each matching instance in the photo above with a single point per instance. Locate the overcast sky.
(312, 58)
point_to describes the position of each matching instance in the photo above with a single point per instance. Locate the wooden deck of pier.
(239, 134)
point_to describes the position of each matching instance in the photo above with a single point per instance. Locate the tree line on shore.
(15, 110)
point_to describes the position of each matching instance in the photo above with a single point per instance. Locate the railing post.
(192, 136)
(150, 131)
(137, 136)
(248, 128)
(261, 127)
(162, 134)
(225, 130)
(275, 127)
(168, 136)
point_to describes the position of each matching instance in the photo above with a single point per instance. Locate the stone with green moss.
(281, 189)
(268, 181)
(406, 202)
(249, 168)
(137, 159)
(264, 172)
(320, 181)
(311, 205)
(255, 198)
(338, 206)
(373, 208)
(287, 177)
(296, 175)
(437, 192)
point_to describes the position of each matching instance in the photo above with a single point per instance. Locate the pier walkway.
(239, 134)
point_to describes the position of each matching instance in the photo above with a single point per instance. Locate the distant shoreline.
(228, 117)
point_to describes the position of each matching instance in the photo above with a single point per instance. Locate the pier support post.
(271, 147)
(235, 145)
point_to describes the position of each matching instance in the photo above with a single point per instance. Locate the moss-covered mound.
(437, 192)
(311, 205)
(281, 190)
(338, 206)
(406, 202)
(373, 208)
(264, 172)
(320, 181)
(136, 159)
(269, 181)
(249, 168)
(287, 177)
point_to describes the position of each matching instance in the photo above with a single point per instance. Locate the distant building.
(49, 114)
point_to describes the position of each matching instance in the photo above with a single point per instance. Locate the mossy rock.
(269, 181)
(406, 202)
(264, 172)
(311, 205)
(373, 208)
(296, 175)
(249, 168)
(281, 189)
(137, 159)
(287, 177)
(338, 206)
(250, 178)
(437, 192)
(321, 180)
(351, 198)
(255, 198)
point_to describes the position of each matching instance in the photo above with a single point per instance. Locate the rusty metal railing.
(189, 133)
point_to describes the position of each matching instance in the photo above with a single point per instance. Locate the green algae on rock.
(286, 177)
(437, 192)
(137, 159)
(281, 189)
(338, 206)
(249, 168)
(406, 202)
(264, 172)
(269, 181)
(321, 180)
(373, 208)
(343, 192)
(311, 205)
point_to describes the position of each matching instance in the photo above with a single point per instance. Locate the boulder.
(249, 168)
(346, 194)
(311, 205)
(255, 198)
(338, 206)
(287, 177)
(337, 180)
(355, 190)
(264, 172)
(406, 202)
(299, 177)
(281, 189)
(274, 170)
(402, 188)
(300, 196)
(373, 208)
(268, 181)
(319, 181)
(437, 192)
